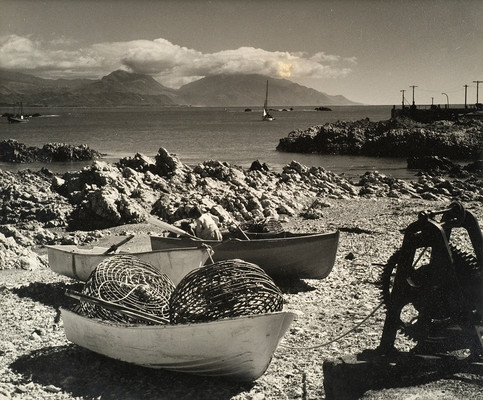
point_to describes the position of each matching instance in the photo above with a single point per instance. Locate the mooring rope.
(354, 327)
(338, 337)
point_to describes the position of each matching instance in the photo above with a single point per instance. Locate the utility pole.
(414, 104)
(477, 84)
(466, 90)
(402, 97)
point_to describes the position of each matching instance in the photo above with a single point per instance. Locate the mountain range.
(121, 88)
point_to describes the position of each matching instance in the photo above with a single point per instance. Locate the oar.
(115, 246)
(242, 231)
(116, 307)
(169, 227)
(239, 228)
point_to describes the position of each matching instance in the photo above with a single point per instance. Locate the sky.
(365, 50)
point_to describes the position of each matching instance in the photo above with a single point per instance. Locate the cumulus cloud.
(49, 59)
(171, 64)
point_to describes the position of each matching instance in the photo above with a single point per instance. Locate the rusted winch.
(433, 289)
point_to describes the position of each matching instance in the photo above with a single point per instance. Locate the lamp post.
(447, 100)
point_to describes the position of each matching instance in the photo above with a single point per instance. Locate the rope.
(338, 337)
(210, 251)
(354, 327)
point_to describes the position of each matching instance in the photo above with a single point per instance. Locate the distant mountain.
(16, 87)
(249, 90)
(121, 88)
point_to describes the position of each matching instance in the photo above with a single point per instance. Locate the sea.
(194, 134)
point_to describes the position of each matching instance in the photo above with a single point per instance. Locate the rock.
(98, 210)
(139, 163)
(15, 152)
(257, 166)
(221, 213)
(167, 164)
(475, 167)
(391, 138)
(432, 163)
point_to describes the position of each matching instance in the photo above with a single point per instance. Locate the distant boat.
(266, 115)
(18, 118)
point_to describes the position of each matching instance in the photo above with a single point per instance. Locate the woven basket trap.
(225, 289)
(130, 282)
(268, 226)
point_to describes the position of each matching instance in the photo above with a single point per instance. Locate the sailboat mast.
(266, 97)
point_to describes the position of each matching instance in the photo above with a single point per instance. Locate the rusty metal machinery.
(433, 289)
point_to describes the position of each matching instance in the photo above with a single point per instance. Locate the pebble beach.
(37, 361)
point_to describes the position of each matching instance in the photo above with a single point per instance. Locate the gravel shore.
(37, 361)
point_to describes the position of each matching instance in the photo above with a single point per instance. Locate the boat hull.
(303, 256)
(16, 120)
(237, 348)
(78, 263)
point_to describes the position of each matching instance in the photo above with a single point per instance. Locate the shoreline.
(126, 192)
(370, 213)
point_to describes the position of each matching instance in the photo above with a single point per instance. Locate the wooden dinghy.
(281, 255)
(78, 262)
(238, 348)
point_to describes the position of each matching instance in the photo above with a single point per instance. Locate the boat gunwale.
(215, 243)
(121, 252)
(221, 321)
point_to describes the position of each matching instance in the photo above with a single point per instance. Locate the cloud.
(171, 64)
(47, 59)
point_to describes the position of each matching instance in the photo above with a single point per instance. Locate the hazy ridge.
(121, 88)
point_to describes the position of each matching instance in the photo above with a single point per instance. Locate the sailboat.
(18, 118)
(266, 115)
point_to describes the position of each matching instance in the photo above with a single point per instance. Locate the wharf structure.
(432, 113)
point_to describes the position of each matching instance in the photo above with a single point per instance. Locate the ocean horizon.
(194, 134)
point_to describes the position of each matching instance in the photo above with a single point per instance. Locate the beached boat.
(78, 262)
(285, 254)
(266, 114)
(238, 348)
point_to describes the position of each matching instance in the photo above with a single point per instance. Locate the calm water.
(194, 134)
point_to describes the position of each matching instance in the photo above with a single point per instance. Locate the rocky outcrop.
(392, 138)
(37, 206)
(105, 195)
(26, 197)
(15, 152)
(444, 166)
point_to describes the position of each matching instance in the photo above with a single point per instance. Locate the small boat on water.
(78, 262)
(266, 114)
(18, 118)
(238, 348)
(280, 255)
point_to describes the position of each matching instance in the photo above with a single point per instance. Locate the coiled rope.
(338, 337)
